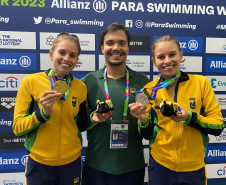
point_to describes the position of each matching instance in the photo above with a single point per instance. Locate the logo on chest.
(192, 103)
(74, 101)
(132, 93)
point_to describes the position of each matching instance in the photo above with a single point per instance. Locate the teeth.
(115, 55)
(65, 65)
(168, 67)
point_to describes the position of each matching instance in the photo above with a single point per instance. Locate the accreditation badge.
(119, 134)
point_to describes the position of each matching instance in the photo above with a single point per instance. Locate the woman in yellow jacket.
(178, 140)
(51, 110)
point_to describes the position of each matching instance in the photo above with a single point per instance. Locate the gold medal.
(60, 86)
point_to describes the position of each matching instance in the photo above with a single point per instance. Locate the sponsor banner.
(216, 153)
(137, 43)
(216, 45)
(84, 139)
(87, 41)
(17, 40)
(7, 103)
(86, 62)
(215, 171)
(13, 160)
(140, 43)
(12, 178)
(18, 61)
(80, 77)
(189, 44)
(11, 141)
(218, 83)
(222, 137)
(6, 120)
(188, 64)
(221, 100)
(135, 62)
(215, 64)
(68, 22)
(4, 19)
(155, 76)
(218, 139)
(10, 82)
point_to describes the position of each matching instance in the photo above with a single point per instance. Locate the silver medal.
(142, 99)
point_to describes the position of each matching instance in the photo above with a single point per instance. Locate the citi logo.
(37, 20)
(221, 172)
(193, 44)
(10, 82)
(218, 64)
(99, 6)
(183, 61)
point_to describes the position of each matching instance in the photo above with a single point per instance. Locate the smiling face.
(64, 57)
(167, 58)
(115, 47)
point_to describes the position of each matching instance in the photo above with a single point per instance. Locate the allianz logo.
(192, 45)
(16, 161)
(24, 61)
(98, 5)
(218, 64)
(9, 161)
(7, 123)
(216, 153)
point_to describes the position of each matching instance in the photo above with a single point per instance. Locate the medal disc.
(142, 99)
(60, 86)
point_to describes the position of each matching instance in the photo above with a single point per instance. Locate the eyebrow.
(116, 40)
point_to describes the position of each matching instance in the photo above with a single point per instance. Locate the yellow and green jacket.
(55, 140)
(181, 146)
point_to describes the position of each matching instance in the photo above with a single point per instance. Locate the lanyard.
(126, 91)
(53, 78)
(166, 83)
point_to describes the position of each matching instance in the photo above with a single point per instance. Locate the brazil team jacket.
(55, 140)
(181, 146)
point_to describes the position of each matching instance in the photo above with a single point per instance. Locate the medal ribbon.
(126, 91)
(166, 83)
(53, 78)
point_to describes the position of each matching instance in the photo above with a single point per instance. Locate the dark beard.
(114, 64)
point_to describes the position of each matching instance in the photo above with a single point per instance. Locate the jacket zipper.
(177, 148)
(61, 115)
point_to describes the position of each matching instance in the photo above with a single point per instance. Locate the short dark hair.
(67, 36)
(113, 27)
